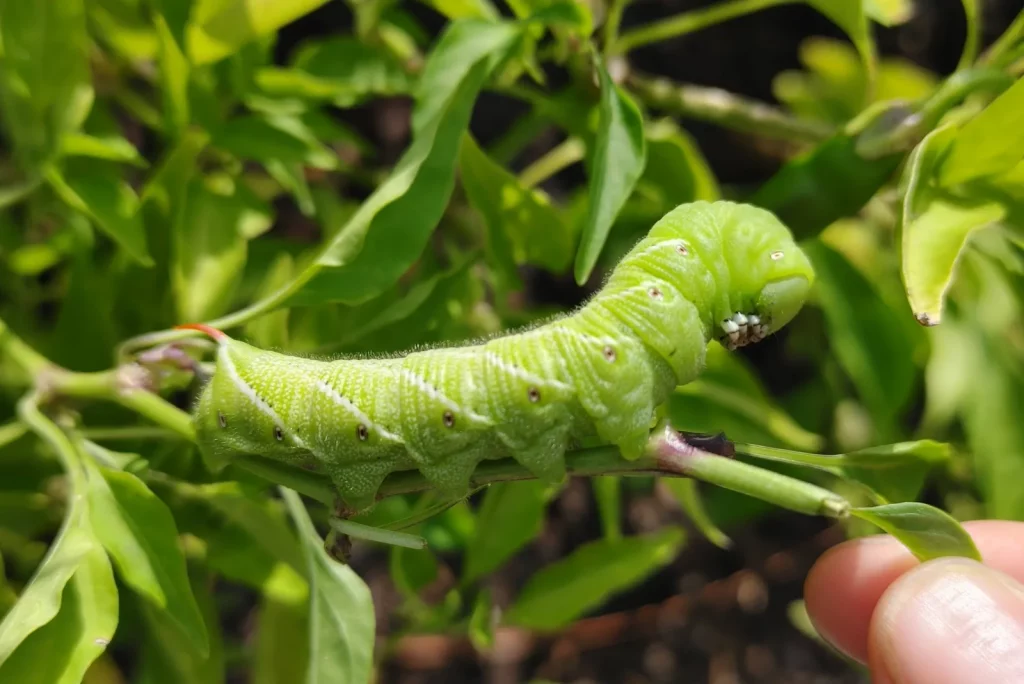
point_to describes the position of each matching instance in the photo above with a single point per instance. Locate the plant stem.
(611, 24)
(563, 155)
(996, 53)
(157, 410)
(725, 109)
(31, 361)
(689, 22)
(114, 434)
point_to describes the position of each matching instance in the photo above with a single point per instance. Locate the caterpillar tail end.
(211, 332)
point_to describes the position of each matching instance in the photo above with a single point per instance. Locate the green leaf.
(111, 148)
(221, 27)
(247, 539)
(281, 138)
(167, 657)
(511, 516)
(565, 590)
(866, 335)
(850, 16)
(61, 651)
(523, 226)
(270, 331)
(341, 615)
(935, 227)
(464, 9)
(618, 162)
(925, 530)
(482, 622)
(175, 70)
(990, 143)
(44, 72)
(210, 247)
(110, 202)
(282, 635)
(412, 569)
(729, 397)
(829, 182)
(896, 471)
(676, 169)
(390, 230)
(343, 70)
(889, 12)
(139, 533)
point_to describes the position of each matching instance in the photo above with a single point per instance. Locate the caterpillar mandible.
(705, 271)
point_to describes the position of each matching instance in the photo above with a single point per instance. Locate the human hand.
(946, 621)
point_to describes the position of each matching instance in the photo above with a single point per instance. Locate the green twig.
(31, 361)
(611, 24)
(997, 53)
(132, 432)
(725, 109)
(561, 156)
(690, 22)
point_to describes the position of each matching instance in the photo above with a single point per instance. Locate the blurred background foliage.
(368, 176)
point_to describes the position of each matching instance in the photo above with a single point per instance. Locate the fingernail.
(950, 620)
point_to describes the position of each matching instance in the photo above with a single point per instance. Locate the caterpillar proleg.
(720, 270)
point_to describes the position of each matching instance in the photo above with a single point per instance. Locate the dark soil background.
(711, 616)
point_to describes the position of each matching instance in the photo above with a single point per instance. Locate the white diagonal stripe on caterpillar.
(225, 359)
(346, 404)
(434, 393)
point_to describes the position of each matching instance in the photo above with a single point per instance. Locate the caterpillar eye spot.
(654, 292)
(775, 256)
(362, 432)
(534, 394)
(449, 419)
(609, 354)
(222, 419)
(278, 433)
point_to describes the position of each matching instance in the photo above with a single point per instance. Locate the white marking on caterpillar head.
(225, 362)
(364, 420)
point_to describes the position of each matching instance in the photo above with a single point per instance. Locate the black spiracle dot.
(449, 419)
(362, 432)
(278, 433)
(609, 353)
(682, 249)
(534, 394)
(222, 420)
(654, 292)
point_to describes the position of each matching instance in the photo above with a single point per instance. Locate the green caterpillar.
(705, 271)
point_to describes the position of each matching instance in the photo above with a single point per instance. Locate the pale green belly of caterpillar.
(706, 270)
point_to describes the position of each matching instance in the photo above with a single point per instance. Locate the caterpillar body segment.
(706, 271)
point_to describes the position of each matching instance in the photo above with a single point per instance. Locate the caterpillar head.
(770, 276)
(237, 411)
(761, 278)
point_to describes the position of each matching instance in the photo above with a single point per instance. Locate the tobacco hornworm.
(706, 270)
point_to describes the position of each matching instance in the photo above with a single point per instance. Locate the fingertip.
(845, 584)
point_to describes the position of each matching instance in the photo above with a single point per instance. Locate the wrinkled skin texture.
(706, 271)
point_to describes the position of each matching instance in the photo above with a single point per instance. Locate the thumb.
(949, 620)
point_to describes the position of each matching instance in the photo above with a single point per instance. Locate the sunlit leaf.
(935, 226)
(618, 161)
(341, 613)
(110, 202)
(990, 143)
(139, 533)
(220, 27)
